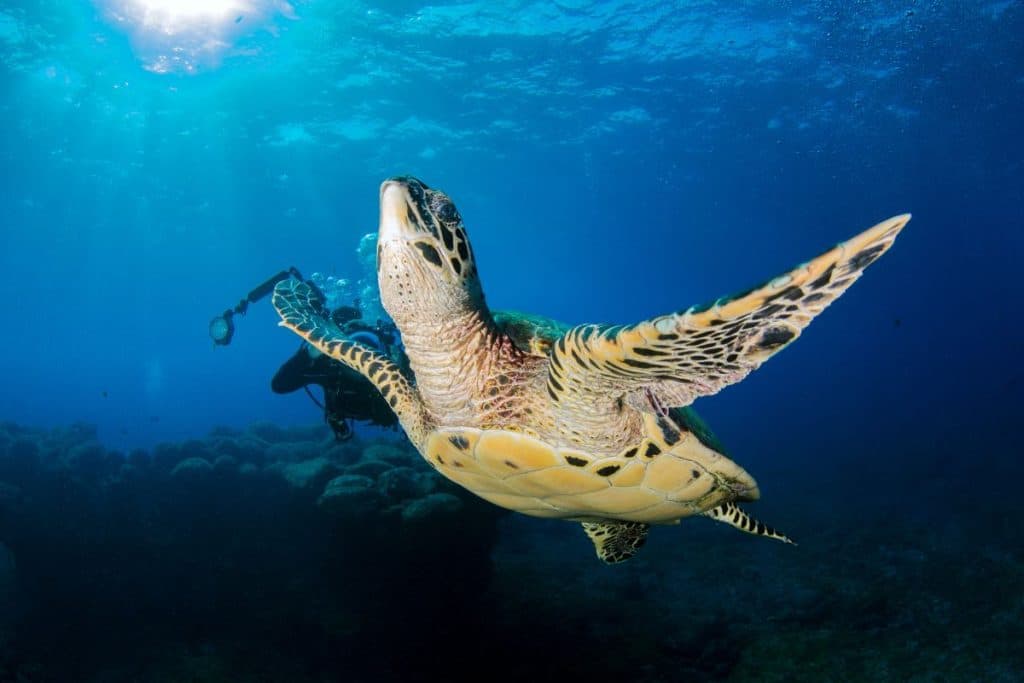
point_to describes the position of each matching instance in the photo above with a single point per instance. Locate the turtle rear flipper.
(616, 541)
(301, 311)
(681, 356)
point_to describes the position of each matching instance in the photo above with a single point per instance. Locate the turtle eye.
(448, 213)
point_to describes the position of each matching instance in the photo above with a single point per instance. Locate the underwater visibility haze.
(174, 509)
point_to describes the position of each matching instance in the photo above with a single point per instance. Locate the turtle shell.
(532, 334)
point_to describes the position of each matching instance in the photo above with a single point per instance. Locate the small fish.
(104, 393)
(154, 418)
(238, 19)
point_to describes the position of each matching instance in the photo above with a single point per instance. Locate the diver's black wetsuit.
(347, 394)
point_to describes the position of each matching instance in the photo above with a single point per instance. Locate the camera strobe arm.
(222, 327)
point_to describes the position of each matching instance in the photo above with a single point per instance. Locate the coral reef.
(206, 555)
(276, 554)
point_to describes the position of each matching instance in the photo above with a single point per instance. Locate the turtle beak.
(394, 212)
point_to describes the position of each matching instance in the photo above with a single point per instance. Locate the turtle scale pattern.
(583, 423)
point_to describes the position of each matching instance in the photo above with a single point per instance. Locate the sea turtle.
(577, 424)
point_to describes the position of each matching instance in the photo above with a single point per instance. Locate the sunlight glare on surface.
(170, 16)
(188, 36)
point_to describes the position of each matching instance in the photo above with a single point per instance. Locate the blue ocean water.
(612, 161)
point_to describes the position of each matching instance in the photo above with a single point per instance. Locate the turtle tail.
(731, 514)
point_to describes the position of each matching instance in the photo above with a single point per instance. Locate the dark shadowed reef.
(275, 555)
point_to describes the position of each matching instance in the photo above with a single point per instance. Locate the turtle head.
(425, 264)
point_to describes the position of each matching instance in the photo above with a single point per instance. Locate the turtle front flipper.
(301, 311)
(696, 352)
(616, 541)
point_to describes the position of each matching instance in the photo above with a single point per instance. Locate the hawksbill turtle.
(583, 423)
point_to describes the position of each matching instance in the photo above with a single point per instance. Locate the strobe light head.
(222, 329)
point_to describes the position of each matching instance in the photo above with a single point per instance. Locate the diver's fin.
(731, 514)
(616, 541)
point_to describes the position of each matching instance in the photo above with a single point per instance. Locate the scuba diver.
(348, 396)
